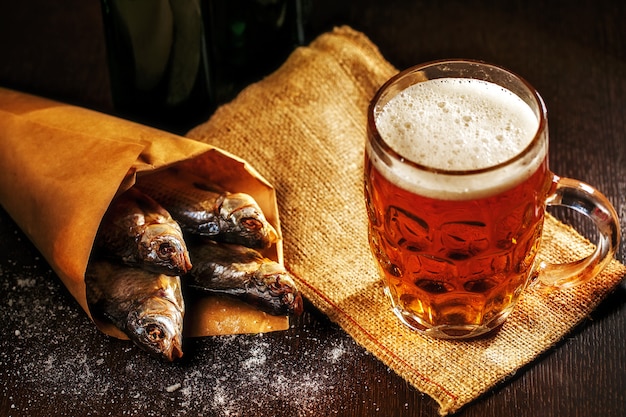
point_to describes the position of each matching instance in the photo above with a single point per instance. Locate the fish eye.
(165, 249)
(155, 333)
(251, 223)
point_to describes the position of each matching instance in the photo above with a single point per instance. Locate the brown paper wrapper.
(61, 166)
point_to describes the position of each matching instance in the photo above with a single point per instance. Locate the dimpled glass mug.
(456, 187)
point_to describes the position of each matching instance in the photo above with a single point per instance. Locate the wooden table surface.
(53, 361)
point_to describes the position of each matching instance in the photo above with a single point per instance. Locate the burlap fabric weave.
(303, 128)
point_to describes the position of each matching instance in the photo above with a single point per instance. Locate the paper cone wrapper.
(62, 165)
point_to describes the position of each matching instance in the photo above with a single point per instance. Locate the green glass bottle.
(171, 62)
(251, 38)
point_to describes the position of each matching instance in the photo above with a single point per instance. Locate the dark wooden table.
(53, 361)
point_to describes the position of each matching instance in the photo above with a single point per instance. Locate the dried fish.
(242, 272)
(204, 209)
(139, 232)
(148, 307)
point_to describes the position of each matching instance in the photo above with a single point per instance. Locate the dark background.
(53, 361)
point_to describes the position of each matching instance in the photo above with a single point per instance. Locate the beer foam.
(457, 124)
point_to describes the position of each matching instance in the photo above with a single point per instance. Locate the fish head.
(163, 248)
(246, 220)
(156, 326)
(272, 278)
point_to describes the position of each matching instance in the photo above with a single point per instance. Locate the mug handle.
(585, 199)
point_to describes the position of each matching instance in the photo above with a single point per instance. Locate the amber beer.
(454, 225)
(456, 186)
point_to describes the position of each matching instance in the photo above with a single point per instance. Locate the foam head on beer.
(457, 124)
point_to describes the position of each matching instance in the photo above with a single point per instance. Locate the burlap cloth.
(303, 128)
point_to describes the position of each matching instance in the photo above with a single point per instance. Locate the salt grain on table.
(173, 388)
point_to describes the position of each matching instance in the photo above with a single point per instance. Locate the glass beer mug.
(456, 186)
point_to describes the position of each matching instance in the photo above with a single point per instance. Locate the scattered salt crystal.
(18, 333)
(335, 353)
(173, 388)
(26, 282)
